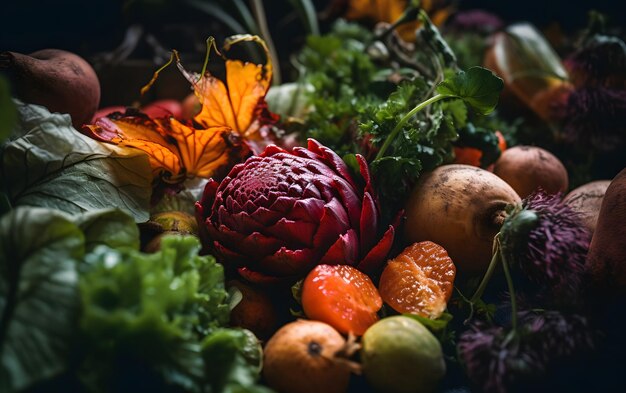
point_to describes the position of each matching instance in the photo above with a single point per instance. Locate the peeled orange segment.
(419, 281)
(341, 296)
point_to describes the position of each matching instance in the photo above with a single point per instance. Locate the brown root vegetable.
(461, 208)
(606, 259)
(528, 168)
(302, 357)
(587, 200)
(256, 311)
(61, 81)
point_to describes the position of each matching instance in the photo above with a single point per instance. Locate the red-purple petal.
(261, 278)
(295, 234)
(228, 254)
(368, 224)
(344, 251)
(307, 210)
(286, 262)
(350, 199)
(334, 222)
(377, 256)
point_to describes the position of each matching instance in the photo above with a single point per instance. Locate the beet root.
(59, 80)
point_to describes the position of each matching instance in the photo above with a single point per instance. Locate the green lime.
(400, 355)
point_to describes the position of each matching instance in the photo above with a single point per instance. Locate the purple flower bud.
(501, 360)
(600, 62)
(595, 116)
(551, 250)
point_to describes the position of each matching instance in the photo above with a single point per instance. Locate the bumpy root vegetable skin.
(61, 81)
(606, 260)
(461, 208)
(528, 168)
(587, 200)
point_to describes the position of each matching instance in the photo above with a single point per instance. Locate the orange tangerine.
(341, 296)
(419, 281)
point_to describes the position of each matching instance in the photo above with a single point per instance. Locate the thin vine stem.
(490, 269)
(509, 283)
(394, 133)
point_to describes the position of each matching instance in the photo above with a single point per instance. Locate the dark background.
(91, 28)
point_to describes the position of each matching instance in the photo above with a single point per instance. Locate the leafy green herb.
(341, 83)
(420, 136)
(50, 164)
(478, 87)
(431, 35)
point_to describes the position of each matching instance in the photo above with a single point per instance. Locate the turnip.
(587, 200)
(461, 208)
(528, 168)
(61, 81)
(606, 259)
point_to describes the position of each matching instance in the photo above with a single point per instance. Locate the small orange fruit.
(419, 281)
(341, 296)
(301, 358)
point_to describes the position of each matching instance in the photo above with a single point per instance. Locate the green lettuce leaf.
(234, 360)
(50, 164)
(144, 315)
(38, 294)
(478, 87)
(113, 319)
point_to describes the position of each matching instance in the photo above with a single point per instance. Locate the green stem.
(509, 283)
(487, 277)
(210, 43)
(407, 117)
(155, 76)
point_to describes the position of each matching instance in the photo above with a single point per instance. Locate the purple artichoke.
(279, 214)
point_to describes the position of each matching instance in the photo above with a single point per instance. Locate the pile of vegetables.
(405, 214)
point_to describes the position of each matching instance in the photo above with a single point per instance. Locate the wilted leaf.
(177, 151)
(51, 164)
(239, 101)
